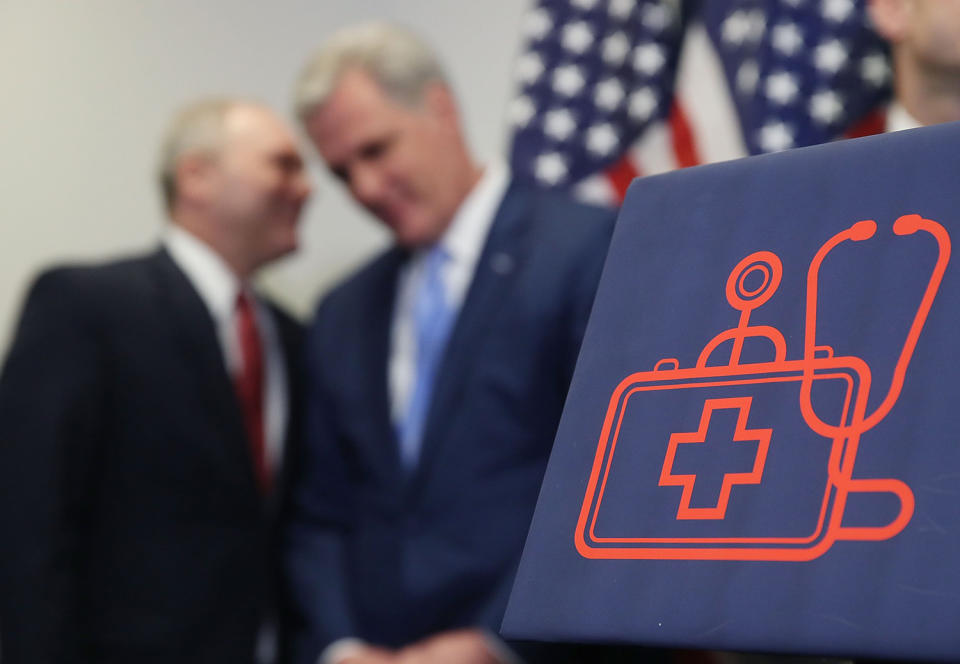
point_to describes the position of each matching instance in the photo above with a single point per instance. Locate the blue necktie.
(433, 317)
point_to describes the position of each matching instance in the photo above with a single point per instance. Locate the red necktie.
(249, 384)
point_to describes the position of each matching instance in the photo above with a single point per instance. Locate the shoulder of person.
(83, 284)
(566, 204)
(373, 279)
(566, 228)
(563, 213)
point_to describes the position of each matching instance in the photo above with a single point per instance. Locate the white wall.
(87, 87)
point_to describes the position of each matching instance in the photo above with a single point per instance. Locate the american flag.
(612, 89)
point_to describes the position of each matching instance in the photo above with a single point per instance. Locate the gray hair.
(197, 128)
(397, 59)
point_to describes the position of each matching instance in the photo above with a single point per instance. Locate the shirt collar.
(464, 238)
(210, 275)
(898, 118)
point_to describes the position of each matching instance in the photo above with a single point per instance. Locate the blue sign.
(761, 445)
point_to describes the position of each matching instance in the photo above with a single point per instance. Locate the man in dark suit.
(437, 373)
(144, 416)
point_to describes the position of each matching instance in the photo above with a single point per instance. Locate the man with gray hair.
(145, 416)
(437, 372)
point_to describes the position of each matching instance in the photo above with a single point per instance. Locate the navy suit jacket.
(131, 526)
(391, 557)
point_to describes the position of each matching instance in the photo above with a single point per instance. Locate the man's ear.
(891, 18)
(439, 101)
(194, 175)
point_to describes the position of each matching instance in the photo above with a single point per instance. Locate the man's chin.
(282, 251)
(412, 236)
(403, 236)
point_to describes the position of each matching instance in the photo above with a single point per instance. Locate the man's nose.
(366, 184)
(302, 186)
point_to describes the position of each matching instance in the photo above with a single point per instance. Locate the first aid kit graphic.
(737, 460)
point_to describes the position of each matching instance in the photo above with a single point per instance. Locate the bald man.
(144, 420)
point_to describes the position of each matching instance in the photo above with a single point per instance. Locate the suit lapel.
(497, 269)
(195, 333)
(290, 335)
(374, 360)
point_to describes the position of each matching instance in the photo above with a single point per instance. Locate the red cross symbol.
(741, 433)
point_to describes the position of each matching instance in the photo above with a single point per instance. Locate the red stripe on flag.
(681, 134)
(620, 175)
(874, 122)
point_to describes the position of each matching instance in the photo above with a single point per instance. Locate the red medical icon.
(760, 436)
(751, 284)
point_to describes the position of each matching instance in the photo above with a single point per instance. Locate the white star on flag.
(874, 69)
(782, 88)
(655, 17)
(551, 168)
(577, 37)
(559, 124)
(748, 75)
(643, 103)
(615, 49)
(529, 68)
(826, 107)
(775, 137)
(648, 59)
(537, 24)
(736, 28)
(601, 139)
(838, 11)
(621, 9)
(787, 38)
(756, 26)
(609, 94)
(567, 80)
(521, 111)
(830, 56)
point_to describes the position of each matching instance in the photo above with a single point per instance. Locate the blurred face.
(927, 31)
(933, 32)
(407, 166)
(257, 187)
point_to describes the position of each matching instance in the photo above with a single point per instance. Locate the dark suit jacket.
(391, 558)
(131, 528)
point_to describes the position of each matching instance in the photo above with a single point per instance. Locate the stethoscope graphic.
(818, 362)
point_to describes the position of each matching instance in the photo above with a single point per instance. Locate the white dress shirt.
(218, 287)
(899, 118)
